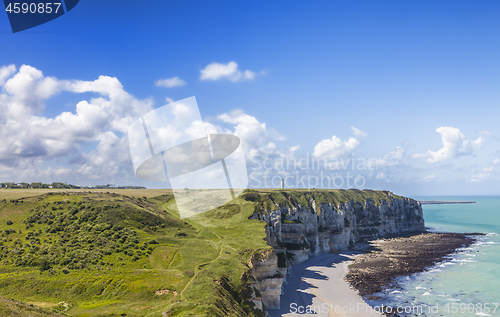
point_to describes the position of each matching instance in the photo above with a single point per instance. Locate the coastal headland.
(128, 251)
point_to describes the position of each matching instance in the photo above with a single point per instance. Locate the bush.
(10, 222)
(65, 271)
(154, 241)
(44, 265)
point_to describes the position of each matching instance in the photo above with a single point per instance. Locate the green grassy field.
(110, 254)
(126, 252)
(24, 193)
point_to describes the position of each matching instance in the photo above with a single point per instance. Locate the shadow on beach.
(311, 283)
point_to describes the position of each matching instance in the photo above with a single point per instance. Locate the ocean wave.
(444, 264)
(417, 294)
(434, 270)
(482, 242)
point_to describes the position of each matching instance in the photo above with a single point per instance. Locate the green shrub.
(44, 265)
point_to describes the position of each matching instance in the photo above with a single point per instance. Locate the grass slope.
(105, 254)
(128, 253)
(13, 308)
(272, 199)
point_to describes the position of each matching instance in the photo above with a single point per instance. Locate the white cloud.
(486, 172)
(480, 176)
(170, 82)
(111, 158)
(88, 144)
(230, 71)
(257, 139)
(25, 92)
(430, 177)
(334, 148)
(454, 145)
(392, 158)
(6, 72)
(30, 141)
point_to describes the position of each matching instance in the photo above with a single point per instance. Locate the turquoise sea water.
(469, 283)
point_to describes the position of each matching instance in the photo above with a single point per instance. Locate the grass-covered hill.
(272, 199)
(13, 308)
(127, 252)
(106, 254)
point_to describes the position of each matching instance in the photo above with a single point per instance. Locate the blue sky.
(394, 70)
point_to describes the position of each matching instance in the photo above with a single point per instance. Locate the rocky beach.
(401, 256)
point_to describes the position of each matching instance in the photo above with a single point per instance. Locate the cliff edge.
(301, 223)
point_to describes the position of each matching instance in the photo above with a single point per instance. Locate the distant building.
(282, 183)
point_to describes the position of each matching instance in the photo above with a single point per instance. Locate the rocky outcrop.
(297, 232)
(267, 280)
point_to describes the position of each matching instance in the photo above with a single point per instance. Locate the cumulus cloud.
(454, 144)
(258, 140)
(170, 82)
(230, 71)
(335, 148)
(6, 72)
(486, 172)
(88, 143)
(30, 140)
(392, 158)
(25, 92)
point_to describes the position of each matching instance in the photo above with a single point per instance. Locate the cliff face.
(308, 223)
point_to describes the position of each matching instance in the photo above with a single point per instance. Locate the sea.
(467, 284)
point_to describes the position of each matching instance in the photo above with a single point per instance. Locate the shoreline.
(350, 279)
(403, 256)
(320, 281)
